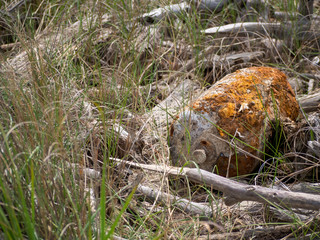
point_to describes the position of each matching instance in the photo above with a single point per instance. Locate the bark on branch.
(235, 191)
(183, 204)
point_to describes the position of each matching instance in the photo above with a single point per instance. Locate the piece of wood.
(306, 187)
(183, 204)
(162, 114)
(211, 5)
(275, 213)
(310, 103)
(158, 14)
(274, 30)
(118, 238)
(85, 172)
(314, 146)
(235, 191)
(173, 10)
(305, 12)
(258, 233)
(253, 28)
(311, 84)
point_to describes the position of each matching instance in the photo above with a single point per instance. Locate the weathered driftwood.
(158, 14)
(118, 238)
(272, 29)
(227, 61)
(298, 84)
(242, 56)
(211, 5)
(305, 12)
(85, 172)
(310, 103)
(260, 7)
(235, 191)
(276, 213)
(259, 233)
(173, 10)
(183, 204)
(315, 147)
(204, 209)
(276, 30)
(236, 111)
(163, 113)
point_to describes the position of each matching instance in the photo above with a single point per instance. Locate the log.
(235, 191)
(183, 204)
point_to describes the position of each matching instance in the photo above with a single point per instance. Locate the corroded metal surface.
(225, 128)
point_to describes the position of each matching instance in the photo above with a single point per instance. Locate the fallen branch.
(235, 191)
(173, 10)
(183, 204)
(277, 30)
(271, 232)
(158, 14)
(247, 27)
(309, 103)
(85, 172)
(305, 187)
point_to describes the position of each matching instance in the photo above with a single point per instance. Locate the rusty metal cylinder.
(225, 130)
